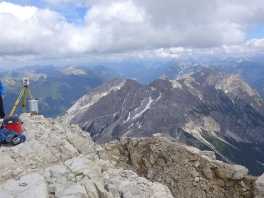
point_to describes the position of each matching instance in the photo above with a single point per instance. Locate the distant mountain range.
(57, 89)
(206, 109)
(106, 73)
(52, 85)
(251, 70)
(138, 71)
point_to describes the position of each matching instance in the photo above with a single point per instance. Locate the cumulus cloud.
(168, 28)
(18, 12)
(249, 48)
(28, 30)
(256, 43)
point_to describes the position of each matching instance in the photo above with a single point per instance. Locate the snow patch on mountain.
(145, 109)
(128, 118)
(139, 111)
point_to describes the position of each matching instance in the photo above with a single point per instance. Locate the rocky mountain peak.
(132, 82)
(232, 85)
(73, 70)
(194, 110)
(164, 77)
(35, 76)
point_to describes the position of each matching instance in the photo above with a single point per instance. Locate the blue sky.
(63, 32)
(256, 32)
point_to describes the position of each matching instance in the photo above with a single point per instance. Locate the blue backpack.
(13, 137)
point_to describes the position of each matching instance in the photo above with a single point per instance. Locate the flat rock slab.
(32, 185)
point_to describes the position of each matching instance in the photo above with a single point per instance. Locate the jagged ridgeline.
(205, 109)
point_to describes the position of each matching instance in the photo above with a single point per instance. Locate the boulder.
(239, 172)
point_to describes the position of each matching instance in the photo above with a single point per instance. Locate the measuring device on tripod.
(33, 103)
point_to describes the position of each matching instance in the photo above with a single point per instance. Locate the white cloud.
(163, 53)
(19, 12)
(175, 50)
(28, 30)
(115, 28)
(249, 48)
(125, 12)
(233, 49)
(256, 43)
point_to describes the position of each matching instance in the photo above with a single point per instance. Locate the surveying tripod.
(23, 94)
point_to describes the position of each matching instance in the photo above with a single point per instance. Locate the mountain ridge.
(189, 110)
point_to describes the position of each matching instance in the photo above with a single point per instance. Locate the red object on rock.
(13, 123)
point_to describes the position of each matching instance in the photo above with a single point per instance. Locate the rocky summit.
(63, 161)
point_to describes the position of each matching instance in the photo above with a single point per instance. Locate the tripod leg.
(24, 102)
(31, 97)
(17, 101)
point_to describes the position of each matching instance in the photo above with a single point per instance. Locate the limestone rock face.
(63, 161)
(185, 170)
